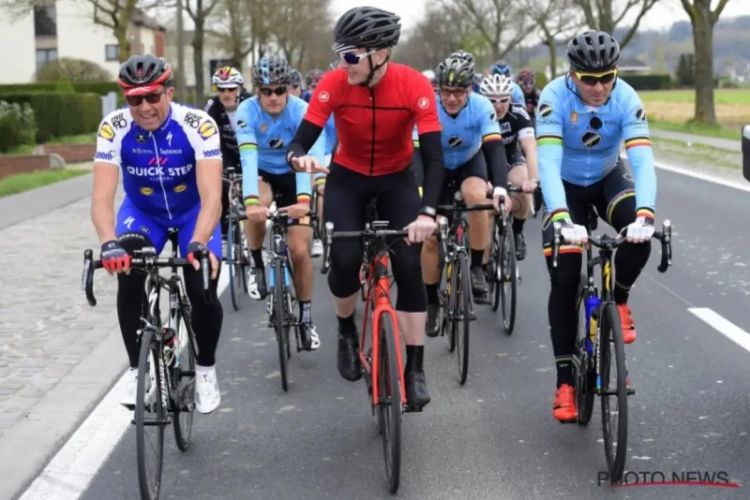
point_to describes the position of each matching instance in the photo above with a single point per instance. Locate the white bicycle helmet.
(227, 77)
(429, 74)
(496, 85)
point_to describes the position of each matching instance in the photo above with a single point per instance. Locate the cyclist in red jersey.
(376, 104)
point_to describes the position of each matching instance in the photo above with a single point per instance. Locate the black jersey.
(515, 125)
(229, 149)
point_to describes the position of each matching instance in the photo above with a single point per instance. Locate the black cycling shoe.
(520, 246)
(257, 286)
(309, 339)
(432, 328)
(416, 389)
(348, 357)
(479, 282)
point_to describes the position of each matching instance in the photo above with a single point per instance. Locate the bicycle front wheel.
(150, 372)
(510, 279)
(279, 316)
(614, 394)
(462, 316)
(496, 264)
(235, 279)
(389, 401)
(184, 384)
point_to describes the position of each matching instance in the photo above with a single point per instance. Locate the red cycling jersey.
(374, 124)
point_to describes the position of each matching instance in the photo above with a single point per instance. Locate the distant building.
(633, 66)
(66, 28)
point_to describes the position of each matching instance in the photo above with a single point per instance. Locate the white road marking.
(70, 472)
(723, 326)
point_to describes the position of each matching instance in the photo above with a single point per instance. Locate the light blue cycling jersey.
(158, 168)
(581, 144)
(464, 134)
(263, 140)
(517, 95)
(330, 131)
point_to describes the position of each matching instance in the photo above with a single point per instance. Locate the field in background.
(678, 106)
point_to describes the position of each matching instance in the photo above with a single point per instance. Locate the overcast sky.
(411, 10)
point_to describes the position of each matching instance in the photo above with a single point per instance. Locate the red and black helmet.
(141, 75)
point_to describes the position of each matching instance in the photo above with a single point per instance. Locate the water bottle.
(271, 278)
(287, 278)
(592, 304)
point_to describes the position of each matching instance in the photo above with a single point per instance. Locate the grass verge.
(700, 156)
(15, 184)
(27, 149)
(720, 132)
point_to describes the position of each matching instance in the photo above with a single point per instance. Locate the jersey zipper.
(372, 149)
(158, 169)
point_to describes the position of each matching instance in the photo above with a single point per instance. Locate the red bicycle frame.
(381, 288)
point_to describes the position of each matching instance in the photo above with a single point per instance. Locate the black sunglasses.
(152, 98)
(278, 91)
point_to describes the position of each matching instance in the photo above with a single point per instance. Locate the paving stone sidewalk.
(46, 325)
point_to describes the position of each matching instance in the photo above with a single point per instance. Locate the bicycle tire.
(612, 329)
(510, 277)
(184, 406)
(389, 404)
(234, 280)
(280, 313)
(244, 252)
(149, 346)
(450, 323)
(496, 263)
(463, 316)
(585, 375)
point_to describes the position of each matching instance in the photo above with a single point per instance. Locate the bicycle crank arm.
(156, 421)
(613, 392)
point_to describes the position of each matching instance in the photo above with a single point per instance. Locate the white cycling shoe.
(207, 395)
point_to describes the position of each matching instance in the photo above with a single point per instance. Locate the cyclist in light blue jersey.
(471, 141)
(319, 180)
(501, 68)
(266, 124)
(582, 120)
(171, 164)
(295, 84)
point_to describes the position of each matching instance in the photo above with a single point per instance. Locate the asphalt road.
(494, 438)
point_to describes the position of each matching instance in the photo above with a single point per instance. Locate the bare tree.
(199, 11)
(555, 21)
(437, 35)
(492, 19)
(602, 14)
(289, 15)
(703, 20)
(237, 28)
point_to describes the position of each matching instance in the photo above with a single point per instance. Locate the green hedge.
(649, 82)
(60, 114)
(100, 88)
(17, 125)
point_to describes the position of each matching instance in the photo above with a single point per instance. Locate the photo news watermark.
(718, 479)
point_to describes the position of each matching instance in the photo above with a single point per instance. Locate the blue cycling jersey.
(263, 139)
(330, 131)
(464, 134)
(517, 95)
(159, 167)
(306, 95)
(581, 144)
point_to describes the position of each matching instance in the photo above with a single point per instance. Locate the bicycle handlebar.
(607, 242)
(277, 215)
(144, 259)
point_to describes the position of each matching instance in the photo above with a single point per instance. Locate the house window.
(45, 21)
(112, 52)
(43, 56)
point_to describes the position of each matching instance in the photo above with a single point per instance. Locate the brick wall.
(12, 165)
(72, 153)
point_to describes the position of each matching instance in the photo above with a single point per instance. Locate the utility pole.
(180, 55)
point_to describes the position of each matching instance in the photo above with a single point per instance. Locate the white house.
(67, 29)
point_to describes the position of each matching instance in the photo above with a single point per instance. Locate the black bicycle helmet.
(455, 72)
(295, 77)
(593, 51)
(270, 70)
(144, 73)
(462, 54)
(367, 28)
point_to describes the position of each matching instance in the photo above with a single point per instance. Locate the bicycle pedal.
(570, 421)
(412, 409)
(631, 391)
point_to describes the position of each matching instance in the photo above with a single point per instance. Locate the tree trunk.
(703, 43)
(121, 33)
(198, 38)
(552, 45)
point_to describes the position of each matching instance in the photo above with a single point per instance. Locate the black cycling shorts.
(516, 159)
(283, 188)
(475, 167)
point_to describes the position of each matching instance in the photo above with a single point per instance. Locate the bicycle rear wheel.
(510, 280)
(462, 315)
(496, 264)
(279, 320)
(235, 277)
(149, 361)
(614, 420)
(449, 322)
(389, 401)
(184, 384)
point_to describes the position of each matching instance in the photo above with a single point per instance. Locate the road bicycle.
(380, 345)
(238, 254)
(165, 391)
(599, 341)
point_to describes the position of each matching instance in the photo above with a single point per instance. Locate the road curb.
(26, 448)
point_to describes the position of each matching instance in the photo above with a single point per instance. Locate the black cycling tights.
(614, 200)
(206, 319)
(225, 208)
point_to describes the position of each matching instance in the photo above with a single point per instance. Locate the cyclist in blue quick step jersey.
(582, 120)
(172, 175)
(501, 68)
(266, 124)
(471, 141)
